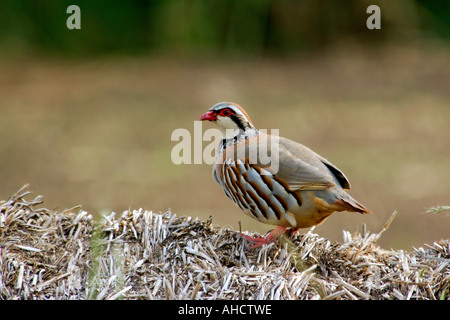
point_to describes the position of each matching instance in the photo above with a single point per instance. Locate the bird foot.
(268, 239)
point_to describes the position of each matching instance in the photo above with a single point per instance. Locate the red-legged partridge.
(273, 179)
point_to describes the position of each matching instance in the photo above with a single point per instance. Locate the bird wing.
(297, 165)
(301, 169)
(338, 174)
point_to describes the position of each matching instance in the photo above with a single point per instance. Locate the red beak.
(210, 116)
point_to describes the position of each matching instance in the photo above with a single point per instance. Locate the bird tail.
(350, 204)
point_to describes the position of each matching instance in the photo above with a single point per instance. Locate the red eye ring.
(225, 112)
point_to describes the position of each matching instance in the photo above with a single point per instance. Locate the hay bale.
(43, 254)
(145, 255)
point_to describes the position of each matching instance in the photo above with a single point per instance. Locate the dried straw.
(146, 255)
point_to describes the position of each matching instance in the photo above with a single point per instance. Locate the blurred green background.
(86, 116)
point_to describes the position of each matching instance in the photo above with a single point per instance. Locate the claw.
(271, 237)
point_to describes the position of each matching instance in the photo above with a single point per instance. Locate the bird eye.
(225, 112)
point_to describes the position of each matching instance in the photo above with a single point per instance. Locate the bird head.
(228, 116)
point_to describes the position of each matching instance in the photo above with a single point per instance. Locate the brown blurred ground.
(98, 133)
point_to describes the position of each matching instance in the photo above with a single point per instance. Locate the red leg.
(293, 231)
(271, 237)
